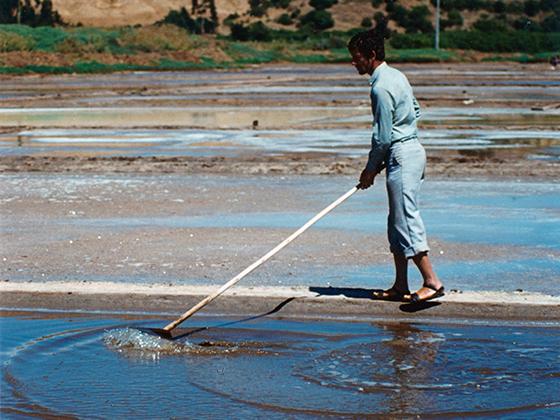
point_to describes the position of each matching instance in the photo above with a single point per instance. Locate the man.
(395, 145)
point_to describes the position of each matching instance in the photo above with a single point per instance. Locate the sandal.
(389, 294)
(415, 297)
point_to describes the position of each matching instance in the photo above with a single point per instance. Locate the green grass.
(168, 39)
(421, 55)
(253, 53)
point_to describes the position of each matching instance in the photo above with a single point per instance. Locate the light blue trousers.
(406, 162)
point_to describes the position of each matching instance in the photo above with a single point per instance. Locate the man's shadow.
(360, 293)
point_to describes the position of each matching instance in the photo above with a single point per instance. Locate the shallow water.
(533, 144)
(95, 366)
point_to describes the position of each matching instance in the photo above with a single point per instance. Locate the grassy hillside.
(271, 31)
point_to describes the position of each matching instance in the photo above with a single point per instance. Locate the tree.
(366, 23)
(317, 20)
(499, 7)
(281, 4)
(8, 11)
(284, 19)
(24, 12)
(258, 7)
(551, 23)
(454, 18)
(531, 7)
(180, 18)
(418, 20)
(47, 15)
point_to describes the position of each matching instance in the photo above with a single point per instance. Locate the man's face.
(363, 65)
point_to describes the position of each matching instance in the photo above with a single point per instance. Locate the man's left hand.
(366, 179)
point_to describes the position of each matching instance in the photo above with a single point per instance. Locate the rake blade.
(160, 332)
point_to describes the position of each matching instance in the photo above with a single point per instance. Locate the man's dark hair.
(371, 41)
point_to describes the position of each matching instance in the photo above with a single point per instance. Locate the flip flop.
(415, 298)
(389, 294)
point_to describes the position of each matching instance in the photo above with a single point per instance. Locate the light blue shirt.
(395, 111)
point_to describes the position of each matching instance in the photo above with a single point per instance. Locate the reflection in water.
(412, 354)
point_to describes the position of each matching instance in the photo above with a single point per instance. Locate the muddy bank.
(296, 164)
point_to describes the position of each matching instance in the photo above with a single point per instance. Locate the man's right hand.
(366, 179)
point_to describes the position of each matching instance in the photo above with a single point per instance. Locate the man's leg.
(431, 280)
(401, 273)
(400, 286)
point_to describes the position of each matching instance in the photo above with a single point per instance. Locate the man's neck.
(376, 63)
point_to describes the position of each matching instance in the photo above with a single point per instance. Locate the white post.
(437, 25)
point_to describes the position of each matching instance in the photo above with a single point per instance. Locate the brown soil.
(300, 164)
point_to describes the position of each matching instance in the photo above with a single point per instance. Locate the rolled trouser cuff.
(411, 251)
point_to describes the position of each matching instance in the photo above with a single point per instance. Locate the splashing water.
(133, 340)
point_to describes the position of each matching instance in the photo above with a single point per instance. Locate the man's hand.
(366, 179)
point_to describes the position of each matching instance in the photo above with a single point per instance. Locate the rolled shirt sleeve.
(383, 108)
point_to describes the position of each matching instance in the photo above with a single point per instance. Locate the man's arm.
(382, 106)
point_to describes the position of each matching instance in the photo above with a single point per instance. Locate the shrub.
(230, 19)
(379, 17)
(509, 41)
(366, 23)
(525, 24)
(182, 19)
(551, 23)
(531, 7)
(280, 4)
(322, 4)
(409, 41)
(376, 3)
(150, 38)
(419, 20)
(328, 42)
(284, 19)
(10, 41)
(454, 18)
(257, 7)
(399, 14)
(256, 31)
(499, 7)
(485, 24)
(317, 20)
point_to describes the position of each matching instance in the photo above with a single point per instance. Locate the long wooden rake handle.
(257, 263)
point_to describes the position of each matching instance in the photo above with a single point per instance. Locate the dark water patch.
(98, 367)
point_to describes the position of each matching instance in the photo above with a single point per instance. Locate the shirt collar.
(376, 73)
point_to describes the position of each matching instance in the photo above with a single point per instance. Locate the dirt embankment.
(300, 164)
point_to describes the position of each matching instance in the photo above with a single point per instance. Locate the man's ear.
(372, 59)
